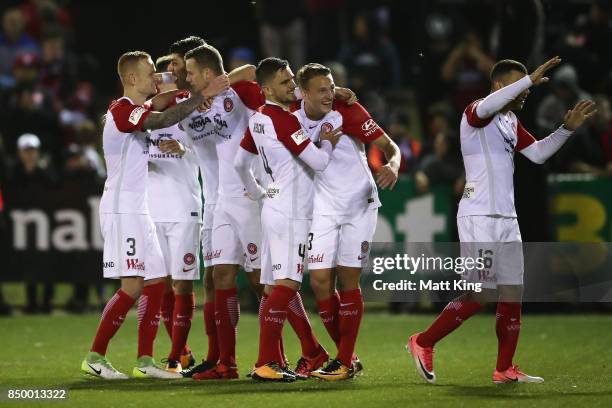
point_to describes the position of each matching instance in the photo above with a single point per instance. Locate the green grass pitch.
(573, 354)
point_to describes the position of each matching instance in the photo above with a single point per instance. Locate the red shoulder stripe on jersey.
(295, 105)
(247, 142)
(127, 116)
(288, 129)
(524, 138)
(250, 93)
(357, 122)
(472, 117)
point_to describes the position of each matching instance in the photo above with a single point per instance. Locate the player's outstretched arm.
(387, 176)
(242, 164)
(538, 151)
(173, 115)
(242, 73)
(497, 100)
(162, 100)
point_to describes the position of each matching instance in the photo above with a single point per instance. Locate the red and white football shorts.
(179, 243)
(206, 234)
(131, 247)
(497, 240)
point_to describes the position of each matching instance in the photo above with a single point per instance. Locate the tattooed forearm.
(173, 115)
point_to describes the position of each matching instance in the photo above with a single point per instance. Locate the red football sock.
(167, 309)
(183, 314)
(149, 306)
(274, 313)
(449, 319)
(298, 319)
(328, 310)
(350, 313)
(112, 318)
(507, 327)
(211, 332)
(227, 314)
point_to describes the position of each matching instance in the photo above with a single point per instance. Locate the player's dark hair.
(309, 71)
(504, 67)
(207, 56)
(268, 67)
(130, 58)
(185, 45)
(162, 63)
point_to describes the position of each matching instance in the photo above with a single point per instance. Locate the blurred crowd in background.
(52, 99)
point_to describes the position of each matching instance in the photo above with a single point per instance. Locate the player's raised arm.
(506, 89)
(538, 151)
(242, 73)
(174, 114)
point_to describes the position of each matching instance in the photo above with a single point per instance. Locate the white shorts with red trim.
(285, 247)
(341, 239)
(497, 240)
(131, 247)
(236, 234)
(179, 243)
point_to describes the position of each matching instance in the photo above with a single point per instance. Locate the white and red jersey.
(488, 147)
(174, 189)
(201, 129)
(232, 110)
(126, 154)
(277, 136)
(346, 186)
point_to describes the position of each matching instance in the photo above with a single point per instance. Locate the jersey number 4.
(302, 247)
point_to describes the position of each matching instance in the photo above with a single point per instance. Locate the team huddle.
(286, 188)
(282, 178)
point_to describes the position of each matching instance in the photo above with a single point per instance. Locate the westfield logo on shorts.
(318, 258)
(135, 265)
(213, 255)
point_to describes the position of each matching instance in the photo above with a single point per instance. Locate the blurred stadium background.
(415, 65)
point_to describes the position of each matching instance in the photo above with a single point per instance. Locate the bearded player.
(488, 227)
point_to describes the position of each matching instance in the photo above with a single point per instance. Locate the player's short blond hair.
(309, 71)
(129, 60)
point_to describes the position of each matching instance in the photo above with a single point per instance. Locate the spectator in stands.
(283, 30)
(370, 56)
(87, 136)
(58, 66)
(591, 152)
(466, 70)
(28, 108)
(13, 40)
(566, 92)
(442, 167)
(409, 148)
(26, 183)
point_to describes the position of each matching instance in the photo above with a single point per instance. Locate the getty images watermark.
(422, 265)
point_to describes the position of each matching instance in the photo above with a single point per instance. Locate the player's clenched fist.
(537, 76)
(576, 116)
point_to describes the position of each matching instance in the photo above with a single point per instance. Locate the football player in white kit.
(289, 159)
(200, 127)
(488, 228)
(131, 249)
(345, 211)
(175, 203)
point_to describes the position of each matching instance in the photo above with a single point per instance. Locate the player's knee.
(224, 276)
(320, 284)
(183, 287)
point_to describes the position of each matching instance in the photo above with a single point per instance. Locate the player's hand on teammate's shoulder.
(207, 104)
(346, 95)
(218, 85)
(576, 116)
(537, 76)
(333, 136)
(387, 177)
(171, 146)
